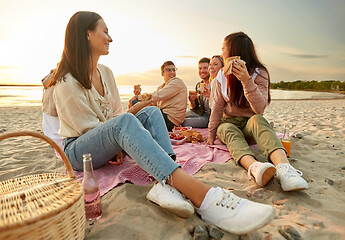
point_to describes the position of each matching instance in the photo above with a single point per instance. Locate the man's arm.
(173, 87)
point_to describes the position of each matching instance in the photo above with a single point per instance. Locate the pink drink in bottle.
(92, 197)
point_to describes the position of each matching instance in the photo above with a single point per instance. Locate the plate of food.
(180, 129)
(177, 138)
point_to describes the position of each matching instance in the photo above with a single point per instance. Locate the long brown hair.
(241, 45)
(77, 52)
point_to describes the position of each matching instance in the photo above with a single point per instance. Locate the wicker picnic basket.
(42, 206)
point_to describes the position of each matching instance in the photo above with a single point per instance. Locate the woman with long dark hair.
(91, 121)
(240, 99)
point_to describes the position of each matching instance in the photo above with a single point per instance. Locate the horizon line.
(37, 85)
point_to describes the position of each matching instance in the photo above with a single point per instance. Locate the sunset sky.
(296, 40)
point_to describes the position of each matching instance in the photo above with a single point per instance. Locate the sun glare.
(147, 33)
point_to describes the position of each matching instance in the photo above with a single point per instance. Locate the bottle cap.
(87, 157)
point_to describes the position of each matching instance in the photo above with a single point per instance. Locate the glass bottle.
(92, 197)
(286, 141)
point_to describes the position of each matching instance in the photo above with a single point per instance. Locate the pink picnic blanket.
(191, 157)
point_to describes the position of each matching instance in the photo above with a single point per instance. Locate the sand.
(316, 213)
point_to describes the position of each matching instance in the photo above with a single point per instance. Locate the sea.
(32, 95)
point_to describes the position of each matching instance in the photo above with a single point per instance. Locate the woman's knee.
(152, 109)
(228, 131)
(124, 118)
(258, 120)
(149, 111)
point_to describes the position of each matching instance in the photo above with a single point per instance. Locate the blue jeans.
(195, 120)
(143, 137)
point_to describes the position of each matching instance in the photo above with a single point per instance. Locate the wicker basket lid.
(32, 198)
(36, 197)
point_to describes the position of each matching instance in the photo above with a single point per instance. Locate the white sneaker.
(169, 198)
(262, 172)
(234, 214)
(290, 178)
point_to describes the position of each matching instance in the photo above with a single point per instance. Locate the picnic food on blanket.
(177, 138)
(228, 64)
(193, 136)
(179, 129)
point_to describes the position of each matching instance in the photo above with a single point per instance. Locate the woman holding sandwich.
(91, 121)
(239, 101)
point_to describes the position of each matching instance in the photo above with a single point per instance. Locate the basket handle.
(65, 160)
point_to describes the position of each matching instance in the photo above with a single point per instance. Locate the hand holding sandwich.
(206, 92)
(192, 96)
(240, 71)
(236, 66)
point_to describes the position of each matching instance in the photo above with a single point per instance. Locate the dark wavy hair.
(241, 45)
(204, 60)
(77, 52)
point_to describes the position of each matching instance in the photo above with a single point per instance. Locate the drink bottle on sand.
(286, 141)
(92, 198)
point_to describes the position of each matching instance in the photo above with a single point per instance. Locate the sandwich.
(146, 96)
(227, 70)
(201, 87)
(231, 58)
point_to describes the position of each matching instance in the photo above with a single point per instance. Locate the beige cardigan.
(171, 98)
(81, 109)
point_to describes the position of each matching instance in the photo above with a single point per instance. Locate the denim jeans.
(143, 137)
(195, 120)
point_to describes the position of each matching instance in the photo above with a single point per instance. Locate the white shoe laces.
(289, 170)
(227, 199)
(171, 189)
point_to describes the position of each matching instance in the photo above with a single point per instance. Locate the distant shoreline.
(310, 99)
(309, 90)
(21, 85)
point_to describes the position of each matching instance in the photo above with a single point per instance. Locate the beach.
(318, 151)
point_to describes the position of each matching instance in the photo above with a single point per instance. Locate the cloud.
(8, 67)
(307, 56)
(291, 51)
